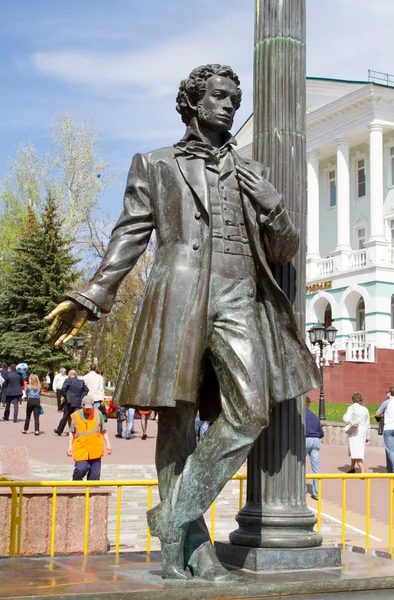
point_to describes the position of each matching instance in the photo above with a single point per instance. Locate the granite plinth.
(277, 559)
(137, 576)
(36, 517)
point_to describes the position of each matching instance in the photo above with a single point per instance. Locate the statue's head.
(212, 94)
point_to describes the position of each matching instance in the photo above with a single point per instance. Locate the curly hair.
(357, 397)
(193, 88)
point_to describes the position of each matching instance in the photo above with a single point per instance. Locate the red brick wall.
(371, 379)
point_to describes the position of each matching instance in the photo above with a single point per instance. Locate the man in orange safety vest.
(87, 431)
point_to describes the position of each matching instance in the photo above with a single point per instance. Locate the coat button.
(197, 215)
(196, 246)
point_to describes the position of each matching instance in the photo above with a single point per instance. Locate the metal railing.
(17, 489)
(380, 78)
(368, 477)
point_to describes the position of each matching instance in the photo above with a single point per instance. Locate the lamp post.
(77, 343)
(317, 334)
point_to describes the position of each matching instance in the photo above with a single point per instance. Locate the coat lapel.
(193, 171)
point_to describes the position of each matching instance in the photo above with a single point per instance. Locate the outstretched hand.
(68, 319)
(259, 190)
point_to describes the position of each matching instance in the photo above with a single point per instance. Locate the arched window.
(360, 315)
(328, 316)
(392, 311)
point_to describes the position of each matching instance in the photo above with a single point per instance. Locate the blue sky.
(118, 63)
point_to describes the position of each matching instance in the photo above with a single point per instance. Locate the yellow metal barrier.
(19, 486)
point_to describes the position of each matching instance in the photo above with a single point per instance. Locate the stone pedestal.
(283, 559)
(36, 521)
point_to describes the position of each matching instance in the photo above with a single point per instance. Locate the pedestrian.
(124, 414)
(359, 437)
(313, 434)
(85, 440)
(33, 393)
(144, 414)
(95, 383)
(3, 373)
(13, 392)
(73, 391)
(386, 410)
(58, 381)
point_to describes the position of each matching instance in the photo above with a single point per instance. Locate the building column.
(313, 205)
(343, 196)
(376, 182)
(312, 221)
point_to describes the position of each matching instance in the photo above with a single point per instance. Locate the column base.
(280, 527)
(286, 559)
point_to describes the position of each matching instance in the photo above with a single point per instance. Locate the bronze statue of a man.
(213, 331)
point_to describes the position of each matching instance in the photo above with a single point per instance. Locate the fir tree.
(42, 271)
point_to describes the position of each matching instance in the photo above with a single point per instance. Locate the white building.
(350, 228)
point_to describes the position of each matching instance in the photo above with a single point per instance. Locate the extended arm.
(129, 240)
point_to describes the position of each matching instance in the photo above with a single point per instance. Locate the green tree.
(76, 173)
(42, 270)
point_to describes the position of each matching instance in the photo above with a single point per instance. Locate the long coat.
(163, 364)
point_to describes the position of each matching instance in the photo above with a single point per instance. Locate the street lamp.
(317, 334)
(77, 343)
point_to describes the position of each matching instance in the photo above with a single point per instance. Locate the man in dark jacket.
(73, 391)
(13, 392)
(3, 373)
(313, 432)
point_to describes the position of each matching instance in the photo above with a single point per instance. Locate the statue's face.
(217, 109)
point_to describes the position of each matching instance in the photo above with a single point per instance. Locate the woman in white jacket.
(360, 436)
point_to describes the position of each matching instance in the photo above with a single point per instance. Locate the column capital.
(343, 141)
(375, 127)
(313, 154)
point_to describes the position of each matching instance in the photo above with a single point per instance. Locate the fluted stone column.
(276, 513)
(343, 196)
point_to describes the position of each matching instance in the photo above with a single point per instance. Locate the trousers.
(388, 436)
(91, 468)
(33, 406)
(67, 412)
(313, 451)
(14, 400)
(235, 347)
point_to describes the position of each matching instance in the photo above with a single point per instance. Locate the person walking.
(124, 414)
(85, 440)
(144, 415)
(58, 381)
(386, 410)
(95, 383)
(360, 435)
(33, 393)
(73, 391)
(13, 392)
(3, 373)
(313, 434)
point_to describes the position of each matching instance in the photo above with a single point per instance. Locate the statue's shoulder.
(166, 154)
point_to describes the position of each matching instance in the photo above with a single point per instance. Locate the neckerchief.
(192, 146)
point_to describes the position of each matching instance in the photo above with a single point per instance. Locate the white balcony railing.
(326, 266)
(330, 354)
(358, 349)
(358, 259)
